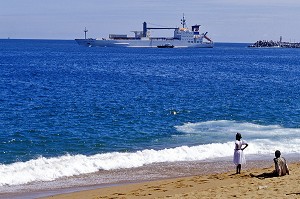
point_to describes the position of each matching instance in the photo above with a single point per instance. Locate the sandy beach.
(221, 185)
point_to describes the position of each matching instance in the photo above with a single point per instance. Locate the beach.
(217, 185)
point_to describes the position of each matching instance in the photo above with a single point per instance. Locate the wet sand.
(210, 185)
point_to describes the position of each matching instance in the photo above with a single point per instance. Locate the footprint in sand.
(199, 181)
(119, 194)
(181, 185)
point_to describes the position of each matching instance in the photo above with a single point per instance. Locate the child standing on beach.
(239, 157)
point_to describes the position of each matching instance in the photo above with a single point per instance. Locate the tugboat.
(182, 37)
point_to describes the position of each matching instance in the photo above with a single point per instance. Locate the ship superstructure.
(183, 37)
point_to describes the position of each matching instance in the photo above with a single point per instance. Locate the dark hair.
(238, 136)
(277, 153)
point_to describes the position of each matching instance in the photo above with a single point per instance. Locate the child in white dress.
(239, 157)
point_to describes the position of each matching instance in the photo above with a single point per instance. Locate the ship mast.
(85, 31)
(183, 21)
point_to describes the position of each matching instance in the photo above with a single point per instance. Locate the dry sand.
(223, 185)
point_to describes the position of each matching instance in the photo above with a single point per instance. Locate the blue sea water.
(68, 110)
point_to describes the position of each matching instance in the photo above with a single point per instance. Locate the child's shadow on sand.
(259, 176)
(264, 175)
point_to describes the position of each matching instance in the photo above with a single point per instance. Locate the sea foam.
(47, 169)
(262, 140)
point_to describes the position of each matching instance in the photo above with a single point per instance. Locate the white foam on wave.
(48, 169)
(230, 128)
(262, 139)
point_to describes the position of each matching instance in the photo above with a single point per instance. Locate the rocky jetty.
(274, 44)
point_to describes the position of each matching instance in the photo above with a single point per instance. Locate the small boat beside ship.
(182, 37)
(167, 45)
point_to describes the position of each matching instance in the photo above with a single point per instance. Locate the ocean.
(91, 116)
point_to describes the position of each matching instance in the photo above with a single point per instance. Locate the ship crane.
(145, 29)
(207, 37)
(161, 28)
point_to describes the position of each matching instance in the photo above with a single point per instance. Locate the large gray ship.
(183, 37)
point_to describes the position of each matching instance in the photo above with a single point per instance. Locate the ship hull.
(149, 43)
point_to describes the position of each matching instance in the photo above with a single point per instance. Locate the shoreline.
(146, 174)
(217, 185)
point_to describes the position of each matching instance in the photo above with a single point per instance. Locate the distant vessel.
(167, 45)
(274, 44)
(183, 37)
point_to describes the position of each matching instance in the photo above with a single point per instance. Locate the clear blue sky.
(224, 20)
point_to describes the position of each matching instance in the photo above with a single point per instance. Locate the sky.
(238, 21)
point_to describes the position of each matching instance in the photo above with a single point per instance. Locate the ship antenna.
(183, 21)
(85, 31)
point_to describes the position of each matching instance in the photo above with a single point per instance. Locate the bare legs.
(238, 169)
